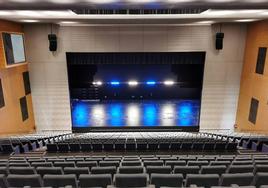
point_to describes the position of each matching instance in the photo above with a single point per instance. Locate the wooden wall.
(13, 88)
(253, 84)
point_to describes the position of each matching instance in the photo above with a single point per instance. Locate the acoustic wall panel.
(261, 60)
(253, 110)
(24, 108)
(26, 82)
(2, 101)
(8, 48)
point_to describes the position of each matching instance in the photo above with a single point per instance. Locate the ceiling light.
(169, 82)
(58, 13)
(63, 1)
(246, 20)
(180, 1)
(68, 22)
(101, 1)
(141, 1)
(27, 13)
(208, 22)
(30, 21)
(133, 83)
(211, 12)
(5, 13)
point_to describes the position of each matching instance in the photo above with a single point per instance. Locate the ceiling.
(59, 11)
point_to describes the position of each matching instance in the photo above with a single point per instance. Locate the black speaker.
(219, 41)
(52, 42)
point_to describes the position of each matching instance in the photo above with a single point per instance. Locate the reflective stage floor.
(162, 113)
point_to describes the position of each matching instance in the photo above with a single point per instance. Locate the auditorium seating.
(143, 141)
(134, 170)
(29, 142)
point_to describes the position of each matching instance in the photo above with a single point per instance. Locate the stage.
(135, 114)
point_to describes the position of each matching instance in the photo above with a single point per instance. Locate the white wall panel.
(48, 72)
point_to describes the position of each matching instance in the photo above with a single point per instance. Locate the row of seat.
(134, 180)
(87, 147)
(91, 168)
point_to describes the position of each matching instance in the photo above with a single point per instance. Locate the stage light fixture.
(115, 83)
(133, 83)
(150, 82)
(98, 83)
(169, 82)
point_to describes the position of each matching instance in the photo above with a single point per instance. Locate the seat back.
(130, 180)
(22, 170)
(169, 180)
(203, 180)
(49, 170)
(261, 178)
(131, 169)
(241, 169)
(103, 170)
(76, 170)
(213, 169)
(95, 180)
(15, 180)
(186, 170)
(241, 179)
(158, 169)
(53, 180)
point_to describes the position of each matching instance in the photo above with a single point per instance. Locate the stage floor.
(163, 113)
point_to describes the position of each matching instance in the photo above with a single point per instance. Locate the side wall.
(253, 84)
(48, 71)
(13, 89)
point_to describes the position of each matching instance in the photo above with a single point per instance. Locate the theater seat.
(60, 180)
(103, 170)
(261, 178)
(202, 180)
(15, 180)
(130, 180)
(131, 170)
(76, 170)
(49, 170)
(95, 180)
(240, 168)
(158, 169)
(22, 170)
(186, 170)
(213, 169)
(241, 179)
(88, 164)
(170, 180)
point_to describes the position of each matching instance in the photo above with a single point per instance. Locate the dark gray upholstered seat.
(241, 169)
(153, 163)
(261, 168)
(109, 163)
(3, 170)
(158, 169)
(130, 180)
(186, 170)
(175, 163)
(131, 169)
(19, 180)
(131, 163)
(203, 180)
(261, 178)
(241, 179)
(49, 170)
(64, 164)
(88, 164)
(3, 182)
(44, 164)
(213, 169)
(60, 180)
(22, 170)
(170, 180)
(76, 170)
(103, 170)
(95, 180)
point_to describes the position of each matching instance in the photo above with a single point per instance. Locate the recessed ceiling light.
(68, 22)
(30, 21)
(29, 13)
(5, 13)
(101, 1)
(58, 13)
(246, 20)
(211, 12)
(180, 1)
(142, 1)
(207, 22)
(220, 1)
(63, 1)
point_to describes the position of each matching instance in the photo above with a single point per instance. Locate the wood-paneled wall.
(253, 84)
(13, 89)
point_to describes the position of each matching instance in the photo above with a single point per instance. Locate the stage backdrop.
(135, 90)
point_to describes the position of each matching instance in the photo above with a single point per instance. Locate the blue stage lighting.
(115, 83)
(150, 82)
